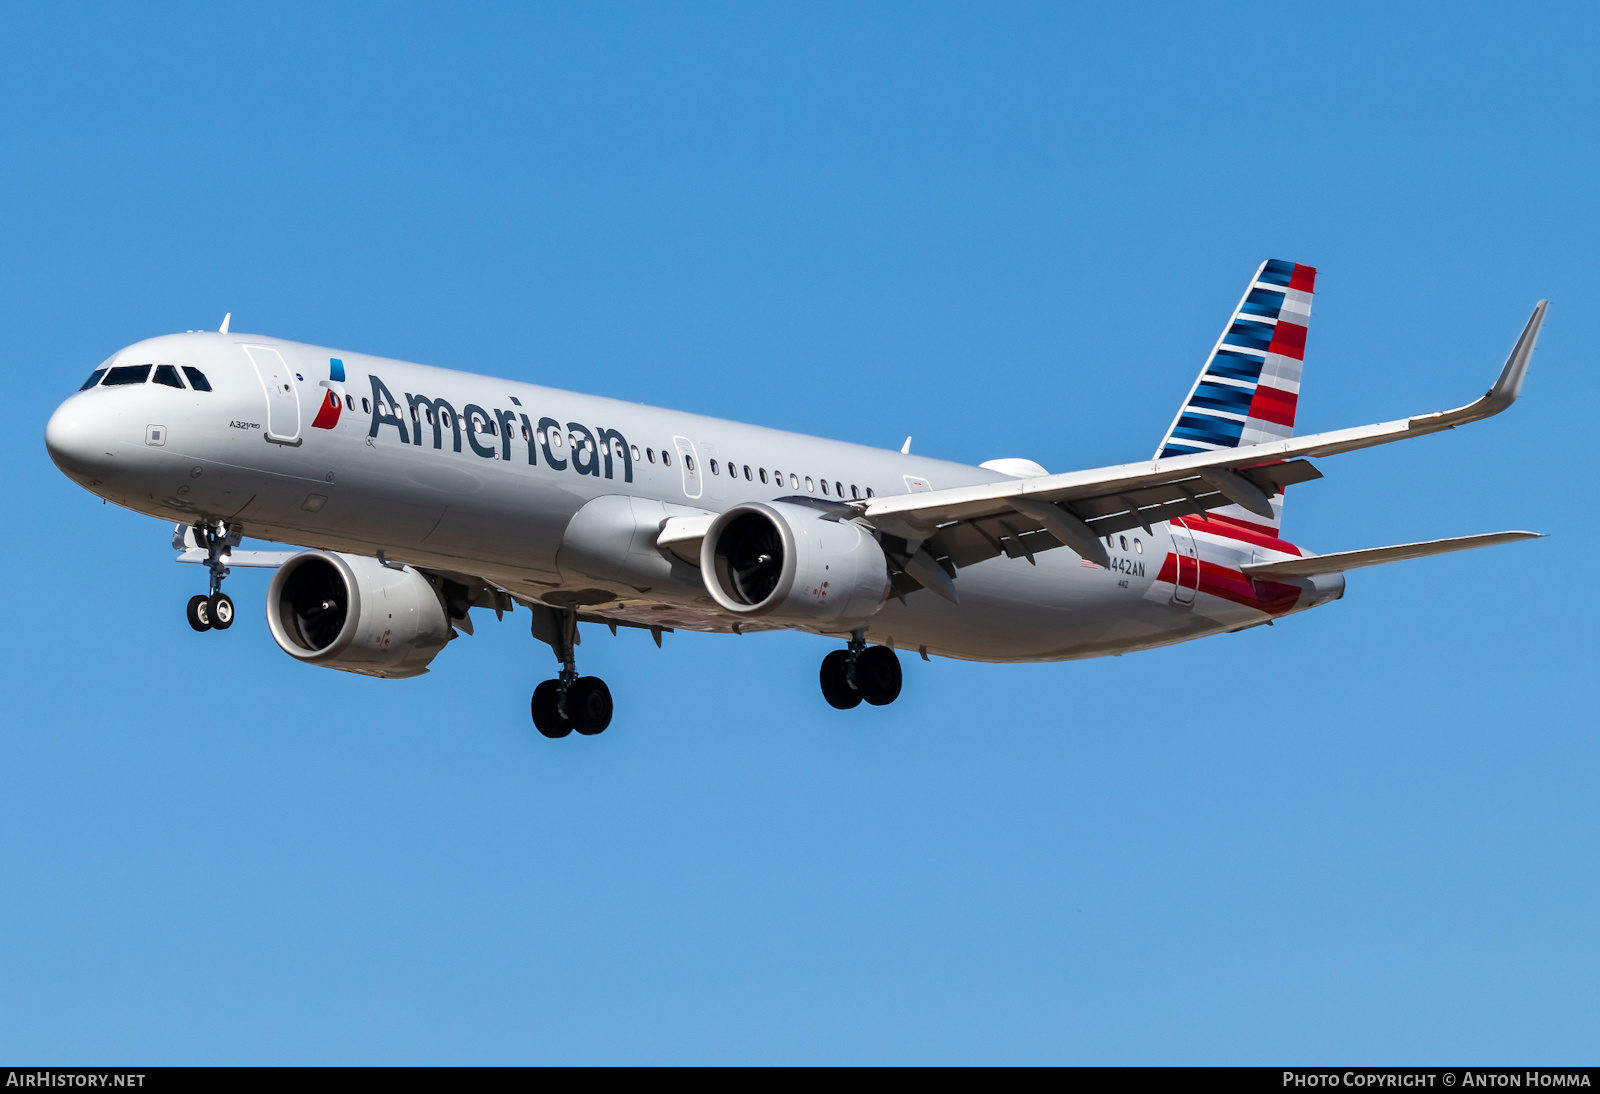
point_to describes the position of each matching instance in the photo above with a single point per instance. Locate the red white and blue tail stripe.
(1247, 392)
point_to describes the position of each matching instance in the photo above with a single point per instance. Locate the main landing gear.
(569, 702)
(215, 610)
(860, 672)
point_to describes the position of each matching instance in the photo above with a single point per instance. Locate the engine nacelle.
(793, 565)
(357, 615)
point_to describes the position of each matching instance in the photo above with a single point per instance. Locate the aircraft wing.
(964, 525)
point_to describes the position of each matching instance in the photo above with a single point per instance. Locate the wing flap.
(1016, 535)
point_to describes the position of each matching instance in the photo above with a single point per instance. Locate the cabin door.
(1188, 560)
(689, 464)
(283, 399)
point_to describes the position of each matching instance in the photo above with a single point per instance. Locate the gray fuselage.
(522, 487)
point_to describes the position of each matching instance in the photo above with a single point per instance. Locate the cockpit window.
(197, 379)
(166, 374)
(94, 378)
(127, 374)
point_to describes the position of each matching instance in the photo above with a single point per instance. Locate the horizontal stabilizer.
(1377, 556)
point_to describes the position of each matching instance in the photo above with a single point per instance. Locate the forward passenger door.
(283, 398)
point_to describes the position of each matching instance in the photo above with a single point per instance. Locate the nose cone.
(75, 437)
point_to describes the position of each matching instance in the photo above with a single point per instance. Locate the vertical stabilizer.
(1247, 392)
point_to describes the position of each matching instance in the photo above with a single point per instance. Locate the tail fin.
(1247, 392)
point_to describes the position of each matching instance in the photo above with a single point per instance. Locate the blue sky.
(1365, 834)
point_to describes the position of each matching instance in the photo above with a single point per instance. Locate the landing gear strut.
(213, 611)
(860, 672)
(569, 702)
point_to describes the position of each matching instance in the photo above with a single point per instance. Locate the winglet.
(226, 319)
(1509, 385)
(1505, 389)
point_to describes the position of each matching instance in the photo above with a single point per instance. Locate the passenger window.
(666, 460)
(824, 486)
(688, 461)
(794, 482)
(527, 434)
(713, 467)
(650, 454)
(350, 402)
(763, 476)
(94, 378)
(167, 376)
(747, 476)
(366, 405)
(854, 493)
(869, 492)
(127, 374)
(1124, 540)
(1137, 546)
(414, 416)
(838, 489)
(197, 379)
(810, 487)
(635, 449)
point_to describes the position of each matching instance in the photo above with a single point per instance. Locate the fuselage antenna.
(226, 319)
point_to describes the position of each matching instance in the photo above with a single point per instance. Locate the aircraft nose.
(74, 438)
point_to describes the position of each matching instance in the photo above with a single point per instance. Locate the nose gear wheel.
(213, 610)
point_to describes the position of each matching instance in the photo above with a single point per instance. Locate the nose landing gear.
(860, 672)
(213, 611)
(569, 702)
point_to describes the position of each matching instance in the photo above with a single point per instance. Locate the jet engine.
(794, 565)
(356, 614)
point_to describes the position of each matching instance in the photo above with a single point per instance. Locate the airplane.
(415, 494)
